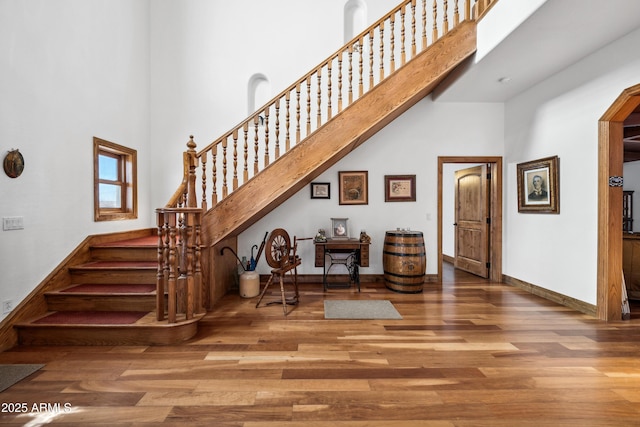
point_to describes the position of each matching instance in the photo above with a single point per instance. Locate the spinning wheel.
(278, 246)
(281, 257)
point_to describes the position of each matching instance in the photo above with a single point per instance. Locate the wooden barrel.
(404, 261)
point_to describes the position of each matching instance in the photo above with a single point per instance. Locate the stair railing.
(294, 114)
(179, 249)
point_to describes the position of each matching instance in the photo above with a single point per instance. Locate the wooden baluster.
(256, 121)
(435, 21)
(361, 67)
(456, 14)
(413, 28)
(319, 99)
(371, 83)
(225, 188)
(403, 54)
(467, 10)
(445, 18)
(425, 43)
(340, 81)
(181, 246)
(288, 121)
(235, 159)
(190, 288)
(245, 130)
(214, 175)
(197, 272)
(381, 32)
(350, 75)
(298, 113)
(308, 106)
(266, 138)
(203, 159)
(172, 291)
(160, 276)
(329, 113)
(392, 60)
(277, 153)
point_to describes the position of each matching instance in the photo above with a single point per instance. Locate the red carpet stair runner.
(111, 301)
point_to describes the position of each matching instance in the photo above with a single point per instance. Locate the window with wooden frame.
(114, 181)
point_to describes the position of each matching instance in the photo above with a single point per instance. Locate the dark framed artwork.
(399, 188)
(538, 186)
(320, 190)
(353, 187)
(339, 228)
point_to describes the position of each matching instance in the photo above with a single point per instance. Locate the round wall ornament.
(13, 164)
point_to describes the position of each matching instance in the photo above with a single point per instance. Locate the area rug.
(351, 309)
(11, 374)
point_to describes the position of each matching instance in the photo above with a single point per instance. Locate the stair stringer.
(339, 136)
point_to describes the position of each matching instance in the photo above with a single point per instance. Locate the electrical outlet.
(13, 223)
(7, 306)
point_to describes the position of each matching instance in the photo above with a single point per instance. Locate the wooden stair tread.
(121, 265)
(147, 241)
(109, 289)
(89, 318)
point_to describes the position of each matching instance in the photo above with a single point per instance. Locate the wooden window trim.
(127, 180)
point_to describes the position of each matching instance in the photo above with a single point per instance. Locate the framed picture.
(320, 190)
(339, 229)
(399, 188)
(538, 187)
(353, 188)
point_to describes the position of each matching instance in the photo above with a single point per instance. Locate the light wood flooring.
(467, 353)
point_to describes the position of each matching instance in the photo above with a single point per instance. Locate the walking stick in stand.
(264, 241)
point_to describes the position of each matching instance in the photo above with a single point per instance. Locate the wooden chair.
(282, 258)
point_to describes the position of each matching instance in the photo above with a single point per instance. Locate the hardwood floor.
(468, 353)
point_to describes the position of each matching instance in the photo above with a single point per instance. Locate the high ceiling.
(558, 34)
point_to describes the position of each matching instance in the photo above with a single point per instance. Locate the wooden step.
(100, 328)
(138, 249)
(103, 297)
(115, 272)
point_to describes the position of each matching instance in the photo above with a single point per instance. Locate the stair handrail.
(229, 155)
(183, 203)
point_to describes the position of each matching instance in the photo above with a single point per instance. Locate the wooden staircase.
(110, 300)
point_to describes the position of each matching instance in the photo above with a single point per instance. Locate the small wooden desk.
(358, 256)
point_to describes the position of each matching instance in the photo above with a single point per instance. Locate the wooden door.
(472, 220)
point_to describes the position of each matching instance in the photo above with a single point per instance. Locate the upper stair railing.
(286, 120)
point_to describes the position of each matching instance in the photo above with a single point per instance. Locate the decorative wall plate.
(13, 164)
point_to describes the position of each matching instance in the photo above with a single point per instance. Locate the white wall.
(71, 70)
(204, 53)
(409, 145)
(560, 117)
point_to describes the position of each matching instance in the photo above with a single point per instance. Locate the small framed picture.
(353, 188)
(399, 188)
(320, 190)
(339, 229)
(538, 187)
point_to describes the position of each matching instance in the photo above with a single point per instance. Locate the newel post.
(192, 164)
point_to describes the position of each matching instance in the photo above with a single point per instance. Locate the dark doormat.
(11, 374)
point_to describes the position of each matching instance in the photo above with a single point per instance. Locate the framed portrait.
(353, 187)
(399, 188)
(339, 229)
(320, 190)
(538, 186)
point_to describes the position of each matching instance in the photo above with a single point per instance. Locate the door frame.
(610, 164)
(495, 213)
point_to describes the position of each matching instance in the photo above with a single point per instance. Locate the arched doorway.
(610, 160)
